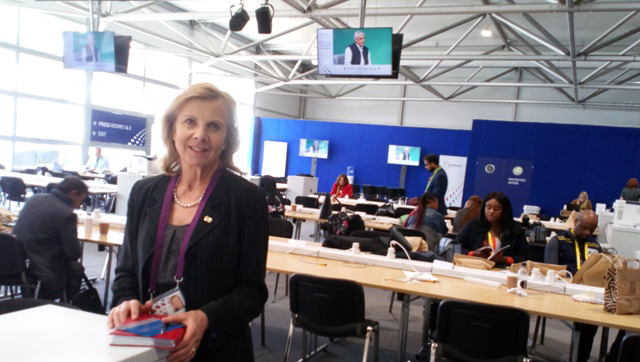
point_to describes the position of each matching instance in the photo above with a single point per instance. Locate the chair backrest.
(326, 302)
(369, 190)
(392, 193)
(12, 255)
(30, 171)
(14, 188)
(50, 187)
(381, 191)
(401, 192)
(112, 179)
(17, 304)
(307, 201)
(630, 348)
(355, 188)
(411, 232)
(57, 174)
(280, 227)
(368, 208)
(400, 211)
(472, 331)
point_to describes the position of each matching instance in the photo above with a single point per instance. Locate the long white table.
(52, 333)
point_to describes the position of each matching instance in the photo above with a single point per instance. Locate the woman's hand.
(499, 258)
(130, 308)
(196, 322)
(482, 253)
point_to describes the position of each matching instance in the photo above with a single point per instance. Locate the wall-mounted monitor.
(404, 155)
(363, 52)
(314, 148)
(96, 51)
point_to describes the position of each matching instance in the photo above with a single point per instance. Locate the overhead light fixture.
(486, 32)
(264, 17)
(239, 19)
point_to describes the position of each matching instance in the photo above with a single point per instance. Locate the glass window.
(137, 58)
(6, 115)
(48, 78)
(119, 158)
(116, 91)
(167, 68)
(49, 120)
(6, 155)
(40, 154)
(242, 158)
(33, 35)
(8, 24)
(8, 73)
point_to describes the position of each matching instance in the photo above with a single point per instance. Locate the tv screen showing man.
(342, 52)
(404, 155)
(92, 50)
(314, 148)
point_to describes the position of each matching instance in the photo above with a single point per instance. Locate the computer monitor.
(573, 207)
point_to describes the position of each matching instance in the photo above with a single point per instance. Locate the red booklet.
(147, 331)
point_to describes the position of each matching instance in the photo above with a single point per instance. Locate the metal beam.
(295, 68)
(466, 80)
(484, 81)
(606, 33)
(452, 47)
(572, 50)
(529, 34)
(545, 78)
(258, 42)
(363, 8)
(601, 90)
(394, 11)
(602, 70)
(138, 7)
(542, 29)
(439, 31)
(408, 19)
(614, 40)
(413, 77)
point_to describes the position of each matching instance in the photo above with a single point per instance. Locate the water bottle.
(88, 224)
(523, 275)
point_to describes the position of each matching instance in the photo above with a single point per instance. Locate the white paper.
(424, 276)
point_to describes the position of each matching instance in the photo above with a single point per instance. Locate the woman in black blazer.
(203, 217)
(494, 227)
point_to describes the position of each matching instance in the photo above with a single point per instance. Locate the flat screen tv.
(404, 155)
(363, 52)
(314, 148)
(101, 51)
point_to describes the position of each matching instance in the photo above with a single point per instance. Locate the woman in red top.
(341, 188)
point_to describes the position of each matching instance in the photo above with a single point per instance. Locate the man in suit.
(90, 52)
(406, 156)
(48, 228)
(357, 53)
(313, 149)
(99, 162)
(438, 181)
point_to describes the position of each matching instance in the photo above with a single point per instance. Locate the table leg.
(575, 339)
(106, 284)
(426, 338)
(604, 343)
(404, 326)
(298, 228)
(317, 235)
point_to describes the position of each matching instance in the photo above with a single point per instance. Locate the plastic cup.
(104, 228)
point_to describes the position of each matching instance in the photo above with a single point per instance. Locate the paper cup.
(104, 228)
(294, 207)
(512, 281)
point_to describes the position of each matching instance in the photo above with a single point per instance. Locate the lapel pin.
(208, 219)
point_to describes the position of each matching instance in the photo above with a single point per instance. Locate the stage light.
(264, 17)
(239, 19)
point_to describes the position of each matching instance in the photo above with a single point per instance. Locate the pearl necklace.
(175, 196)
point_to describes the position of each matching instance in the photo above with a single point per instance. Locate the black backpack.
(342, 223)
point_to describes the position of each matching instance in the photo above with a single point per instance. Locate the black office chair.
(381, 192)
(401, 192)
(14, 189)
(630, 348)
(368, 208)
(392, 193)
(356, 190)
(369, 191)
(18, 304)
(57, 174)
(50, 187)
(536, 252)
(29, 171)
(468, 331)
(306, 201)
(13, 267)
(284, 229)
(329, 308)
(401, 211)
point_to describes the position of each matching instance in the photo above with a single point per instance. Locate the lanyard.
(491, 240)
(586, 250)
(432, 176)
(162, 228)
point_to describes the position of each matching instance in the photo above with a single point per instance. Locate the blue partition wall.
(567, 159)
(364, 147)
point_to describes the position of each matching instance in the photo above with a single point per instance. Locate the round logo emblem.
(517, 170)
(489, 168)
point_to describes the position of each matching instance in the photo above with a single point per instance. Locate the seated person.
(426, 216)
(583, 201)
(275, 202)
(98, 162)
(494, 227)
(48, 228)
(631, 192)
(342, 188)
(470, 212)
(572, 248)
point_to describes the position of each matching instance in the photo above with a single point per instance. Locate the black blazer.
(439, 187)
(470, 239)
(48, 229)
(225, 261)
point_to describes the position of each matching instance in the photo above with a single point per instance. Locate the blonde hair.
(204, 91)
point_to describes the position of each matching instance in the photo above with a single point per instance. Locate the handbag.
(594, 270)
(473, 262)
(88, 299)
(622, 288)
(386, 210)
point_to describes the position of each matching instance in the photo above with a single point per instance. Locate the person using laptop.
(583, 202)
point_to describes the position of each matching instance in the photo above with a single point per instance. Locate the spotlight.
(264, 17)
(239, 19)
(486, 32)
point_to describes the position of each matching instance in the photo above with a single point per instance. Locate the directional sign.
(122, 129)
